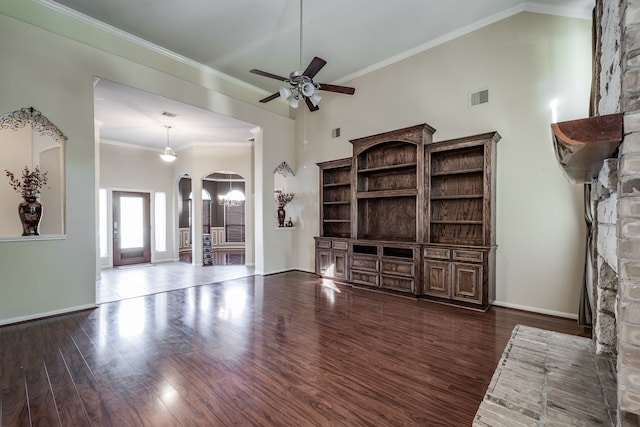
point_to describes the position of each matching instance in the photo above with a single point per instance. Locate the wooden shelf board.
(387, 168)
(458, 172)
(335, 221)
(386, 194)
(457, 222)
(581, 146)
(337, 184)
(458, 197)
(341, 202)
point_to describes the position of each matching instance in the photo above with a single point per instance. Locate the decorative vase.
(30, 212)
(281, 216)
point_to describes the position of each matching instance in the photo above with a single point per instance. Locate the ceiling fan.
(301, 84)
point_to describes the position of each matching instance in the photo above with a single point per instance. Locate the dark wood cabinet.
(458, 257)
(417, 216)
(385, 265)
(331, 257)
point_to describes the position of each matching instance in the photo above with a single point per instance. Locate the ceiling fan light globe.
(293, 103)
(285, 92)
(308, 89)
(315, 99)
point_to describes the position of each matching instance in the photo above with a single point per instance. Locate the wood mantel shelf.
(581, 146)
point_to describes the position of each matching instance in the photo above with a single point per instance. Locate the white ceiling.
(234, 36)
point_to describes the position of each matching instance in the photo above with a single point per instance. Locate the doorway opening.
(223, 219)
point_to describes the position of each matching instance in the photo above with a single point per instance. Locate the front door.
(131, 228)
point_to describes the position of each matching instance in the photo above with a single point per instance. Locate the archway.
(224, 219)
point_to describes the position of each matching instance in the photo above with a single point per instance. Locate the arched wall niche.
(29, 140)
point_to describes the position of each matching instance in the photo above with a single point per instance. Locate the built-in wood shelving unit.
(412, 216)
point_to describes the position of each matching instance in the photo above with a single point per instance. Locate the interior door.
(131, 228)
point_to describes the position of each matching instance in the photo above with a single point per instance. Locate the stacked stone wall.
(628, 227)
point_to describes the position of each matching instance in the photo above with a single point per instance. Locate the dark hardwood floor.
(282, 350)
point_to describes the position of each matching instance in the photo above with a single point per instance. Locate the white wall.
(54, 74)
(525, 61)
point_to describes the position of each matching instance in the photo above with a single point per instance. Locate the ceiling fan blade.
(270, 97)
(335, 88)
(314, 66)
(265, 74)
(310, 105)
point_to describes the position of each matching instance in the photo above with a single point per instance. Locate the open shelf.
(335, 197)
(458, 160)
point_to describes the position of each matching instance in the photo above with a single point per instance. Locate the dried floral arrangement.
(31, 183)
(283, 198)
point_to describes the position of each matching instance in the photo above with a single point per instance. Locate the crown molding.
(524, 7)
(50, 4)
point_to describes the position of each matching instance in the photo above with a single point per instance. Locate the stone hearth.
(547, 378)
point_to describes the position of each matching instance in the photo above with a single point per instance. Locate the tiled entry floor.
(549, 379)
(145, 279)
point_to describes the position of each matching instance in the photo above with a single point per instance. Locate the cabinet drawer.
(340, 245)
(364, 278)
(397, 283)
(359, 262)
(437, 253)
(399, 268)
(467, 255)
(323, 244)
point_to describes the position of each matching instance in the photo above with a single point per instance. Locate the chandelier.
(232, 198)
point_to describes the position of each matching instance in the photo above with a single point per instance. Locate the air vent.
(168, 114)
(479, 97)
(335, 133)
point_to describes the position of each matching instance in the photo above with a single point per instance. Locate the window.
(161, 221)
(103, 224)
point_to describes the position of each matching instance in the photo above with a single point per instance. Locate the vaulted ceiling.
(234, 36)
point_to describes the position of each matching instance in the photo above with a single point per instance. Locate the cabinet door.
(467, 282)
(339, 261)
(323, 261)
(437, 280)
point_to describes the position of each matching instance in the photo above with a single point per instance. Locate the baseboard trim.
(536, 310)
(46, 314)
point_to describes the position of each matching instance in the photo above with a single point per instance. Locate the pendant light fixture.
(168, 155)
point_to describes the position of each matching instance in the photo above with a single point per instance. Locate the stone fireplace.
(616, 197)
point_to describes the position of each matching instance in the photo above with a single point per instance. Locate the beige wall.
(525, 61)
(54, 74)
